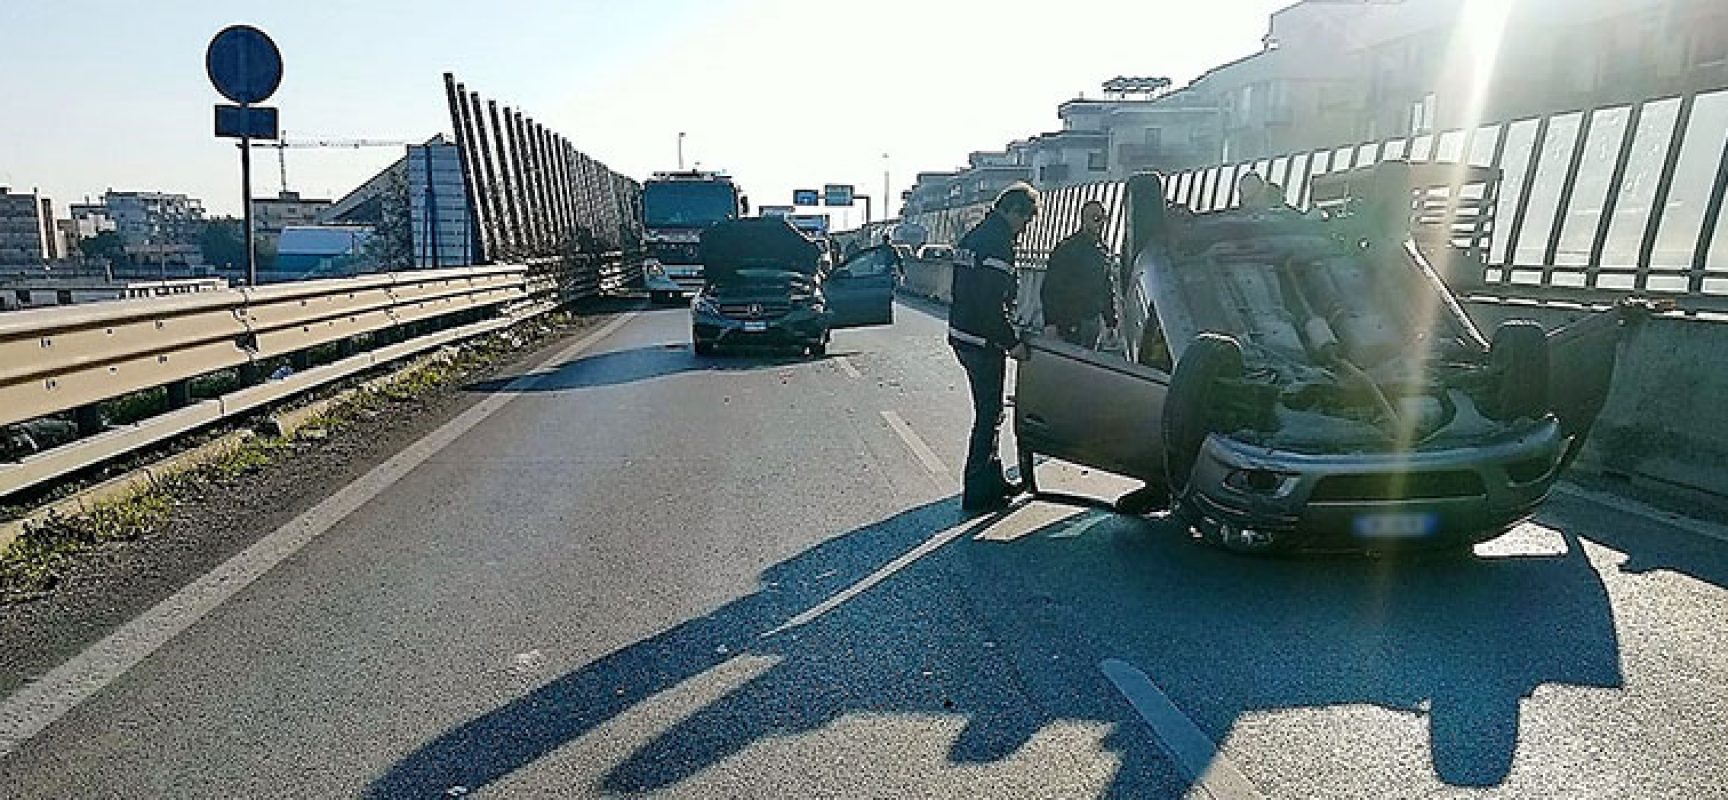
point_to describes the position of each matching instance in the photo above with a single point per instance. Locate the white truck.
(676, 208)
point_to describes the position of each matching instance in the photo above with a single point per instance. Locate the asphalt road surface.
(637, 571)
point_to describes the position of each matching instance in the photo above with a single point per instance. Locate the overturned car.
(1300, 383)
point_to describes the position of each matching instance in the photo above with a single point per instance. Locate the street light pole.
(886, 201)
(680, 151)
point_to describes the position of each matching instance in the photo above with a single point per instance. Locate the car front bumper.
(1370, 502)
(801, 326)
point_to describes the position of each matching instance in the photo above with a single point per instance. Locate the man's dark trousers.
(986, 369)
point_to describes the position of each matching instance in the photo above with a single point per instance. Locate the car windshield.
(687, 204)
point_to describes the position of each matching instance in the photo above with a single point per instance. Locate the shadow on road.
(1007, 636)
(638, 364)
(1650, 544)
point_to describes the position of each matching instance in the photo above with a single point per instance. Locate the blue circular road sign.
(244, 64)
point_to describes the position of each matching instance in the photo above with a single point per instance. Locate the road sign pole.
(246, 205)
(245, 67)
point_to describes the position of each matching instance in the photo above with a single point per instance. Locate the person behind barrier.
(1251, 188)
(982, 331)
(1079, 301)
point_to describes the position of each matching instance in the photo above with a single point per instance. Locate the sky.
(105, 94)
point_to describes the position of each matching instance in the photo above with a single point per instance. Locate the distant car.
(1294, 383)
(767, 286)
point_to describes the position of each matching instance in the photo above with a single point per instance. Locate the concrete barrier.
(1662, 426)
(932, 279)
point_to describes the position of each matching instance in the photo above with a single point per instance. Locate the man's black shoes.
(998, 499)
(984, 505)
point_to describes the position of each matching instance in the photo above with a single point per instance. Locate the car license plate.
(1396, 526)
(755, 327)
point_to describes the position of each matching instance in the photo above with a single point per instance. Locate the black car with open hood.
(765, 285)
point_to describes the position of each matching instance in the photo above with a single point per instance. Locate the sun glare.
(1477, 40)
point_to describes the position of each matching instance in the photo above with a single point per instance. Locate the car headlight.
(653, 268)
(705, 305)
(1264, 483)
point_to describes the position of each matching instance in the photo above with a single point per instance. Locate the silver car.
(1299, 383)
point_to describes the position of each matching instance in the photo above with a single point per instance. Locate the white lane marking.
(929, 546)
(1195, 754)
(846, 367)
(925, 455)
(29, 710)
(1628, 505)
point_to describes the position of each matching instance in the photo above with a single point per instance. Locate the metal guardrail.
(56, 360)
(63, 360)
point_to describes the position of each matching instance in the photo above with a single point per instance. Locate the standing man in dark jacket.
(982, 331)
(1079, 301)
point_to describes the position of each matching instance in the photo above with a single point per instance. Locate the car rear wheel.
(1191, 409)
(704, 348)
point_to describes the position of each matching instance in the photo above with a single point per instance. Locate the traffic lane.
(1538, 667)
(899, 687)
(842, 682)
(480, 577)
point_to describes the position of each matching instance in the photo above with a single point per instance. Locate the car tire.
(1519, 355)
(817, 349)
(704, 348)
(1190, 409)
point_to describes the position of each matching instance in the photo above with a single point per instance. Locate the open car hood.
(757, 249)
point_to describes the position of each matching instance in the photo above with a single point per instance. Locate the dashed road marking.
(932, 464)
(1195, 754)
(929, 546)
(846, 367)
(31, 709)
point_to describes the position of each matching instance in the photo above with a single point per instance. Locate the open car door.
(1090, 408)
(860, 291)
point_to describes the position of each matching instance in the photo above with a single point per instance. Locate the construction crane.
(284, 144)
